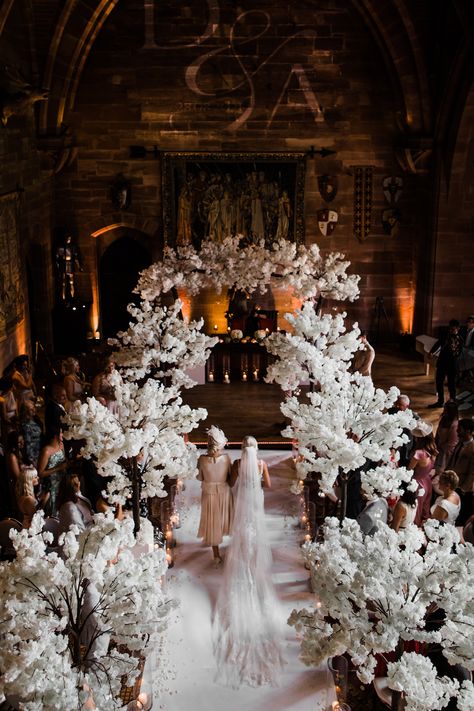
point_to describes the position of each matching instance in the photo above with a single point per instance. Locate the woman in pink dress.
(217, 507)
(422, 463)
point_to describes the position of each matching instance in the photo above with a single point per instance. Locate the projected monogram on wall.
(226, 77)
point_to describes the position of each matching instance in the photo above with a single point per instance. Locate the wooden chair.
(51, 525)
(7, 552)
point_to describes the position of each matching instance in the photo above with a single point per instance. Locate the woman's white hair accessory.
(216, 438)
(422, 429)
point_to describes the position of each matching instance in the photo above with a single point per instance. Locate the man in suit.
(466, 365)
(54, 409)
(450, 349)
(462, 462)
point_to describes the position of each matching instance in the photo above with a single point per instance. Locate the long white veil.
(248, 626)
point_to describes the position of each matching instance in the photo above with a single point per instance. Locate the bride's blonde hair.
(249, 441)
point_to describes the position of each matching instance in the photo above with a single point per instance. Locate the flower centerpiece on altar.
(236, 335)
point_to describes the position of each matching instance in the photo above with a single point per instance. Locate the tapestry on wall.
(12, 307)
(362, 201)
(216, 195)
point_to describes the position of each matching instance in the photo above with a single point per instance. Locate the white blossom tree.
(343, 422)
(374, 593)
(145, 442)
(71, 626)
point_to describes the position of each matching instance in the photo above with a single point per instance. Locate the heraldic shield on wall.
(327, 187)
(391, 221)
(327, 221)
(392, 186)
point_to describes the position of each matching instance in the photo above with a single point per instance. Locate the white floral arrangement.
(66, 620)
(374, 592)
(260, 334)
(297, 487)
(236, 334)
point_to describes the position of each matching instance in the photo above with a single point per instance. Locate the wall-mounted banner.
(392, 188)
(327, 221)
(391, 221)
(327, 187)
(362, 201)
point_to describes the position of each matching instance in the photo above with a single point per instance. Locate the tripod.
(379, 313)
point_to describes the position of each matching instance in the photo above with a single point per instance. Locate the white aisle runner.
(187, 651)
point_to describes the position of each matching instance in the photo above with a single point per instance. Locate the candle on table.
(210, 377)
(226, 378)
(244, 376)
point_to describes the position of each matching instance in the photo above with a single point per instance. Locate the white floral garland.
(250, 267)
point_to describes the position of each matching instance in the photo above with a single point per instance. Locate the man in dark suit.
(462, 462)
(450, 349)
(54, 410)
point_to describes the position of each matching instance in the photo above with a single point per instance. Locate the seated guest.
(447, 506)
(32, 431)
(73, 507)
(103, 388)
(422, 462)
(23, 385)
(405, 511)
(55, 408)
(462, 462)
(73, 384)
(52, 466)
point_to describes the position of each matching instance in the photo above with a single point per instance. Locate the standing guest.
(55, 410)
(103, 388)
(446, 435)
(73, 507)
(15, 456)
(52, 465)
(32, 431)
(22, 378)
(447, 506)
(374, 513)
(73, 384)
(26, 500)
(217, 507)
(466, 332)
(401, 404)
(450, 349)
(462, 462)
(364, 357)
(405, 511)
(8, 406)
(422, 462)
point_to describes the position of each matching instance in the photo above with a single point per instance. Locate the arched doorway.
(119, 267)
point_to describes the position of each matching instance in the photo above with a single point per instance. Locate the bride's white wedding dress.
(248, 625)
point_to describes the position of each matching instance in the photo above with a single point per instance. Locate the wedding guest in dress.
(8, 406)
(447, 506)
(462, 462)
(364, 357)
(22, 379)
(103, 388)
(217, 507)
(422, 462)
(52, 465)
(446, 435)
(26, 501)
(73, 384)
(32, 431)
(74, 508)
(405, 511)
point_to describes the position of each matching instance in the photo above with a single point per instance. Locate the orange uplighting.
(186, 301)
(405, 303)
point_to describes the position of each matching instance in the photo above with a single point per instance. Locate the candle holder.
(244, 376)
(255, 377)
(226, 377)
(210, 377)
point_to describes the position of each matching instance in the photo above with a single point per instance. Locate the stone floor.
(253, 408)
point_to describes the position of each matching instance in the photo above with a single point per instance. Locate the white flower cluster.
(154, 354)
(376, 591)
(342, 423)
(251, 267)
(417, 678)
(69, 624)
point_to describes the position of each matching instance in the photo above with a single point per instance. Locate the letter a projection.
(310, 97)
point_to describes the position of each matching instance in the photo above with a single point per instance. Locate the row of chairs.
(7, 551)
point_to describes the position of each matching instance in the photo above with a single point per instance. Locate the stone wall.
(276, 78)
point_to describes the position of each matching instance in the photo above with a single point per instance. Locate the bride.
(248, 630)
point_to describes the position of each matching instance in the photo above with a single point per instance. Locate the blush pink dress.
(217, 505)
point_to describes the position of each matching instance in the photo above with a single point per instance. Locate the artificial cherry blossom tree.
(72, 625)
(343, 422)
(374, 593)
(145, 442)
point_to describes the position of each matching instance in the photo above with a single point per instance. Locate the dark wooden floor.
(254, 408)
